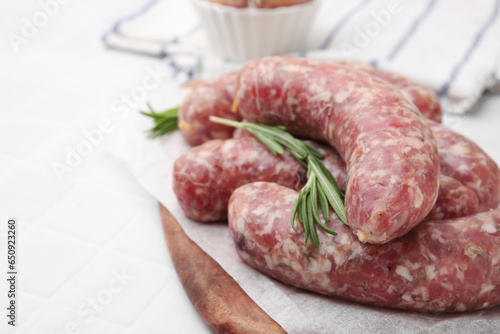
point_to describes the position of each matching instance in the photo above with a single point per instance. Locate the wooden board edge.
(216, 296)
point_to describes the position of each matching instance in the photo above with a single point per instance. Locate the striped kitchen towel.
(452, 46)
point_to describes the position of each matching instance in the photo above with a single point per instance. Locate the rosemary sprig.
(165, 121)
(321, 185)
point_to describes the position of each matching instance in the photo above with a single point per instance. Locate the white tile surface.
(6, 163)
(48, 260)
(143, 237)
(51, 317)
(67, 155)
(31, 192)
(114, 175)
(93, 213)
(114, 287)
(25, 132)
(62, 110)
(161, 313)
(75, 232)
(56, 318)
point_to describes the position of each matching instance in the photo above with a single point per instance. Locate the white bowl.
(242, 34)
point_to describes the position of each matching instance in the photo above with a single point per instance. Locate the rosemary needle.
(165, 121)
(321, 185)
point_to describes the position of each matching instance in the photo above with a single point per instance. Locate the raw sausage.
(454, 200)
(213, 97)
(423, 97)
(443, 266)
(206, 175)
(466, 162)
(389, 150)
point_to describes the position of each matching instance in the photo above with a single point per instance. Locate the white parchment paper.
(297, 311)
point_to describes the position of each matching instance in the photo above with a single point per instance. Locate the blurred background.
(73, 76)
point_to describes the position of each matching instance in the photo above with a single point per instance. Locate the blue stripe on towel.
(177, 39)
(412, 30)
(341, 23)
(175, 69)
(475, 42)
(163, 53)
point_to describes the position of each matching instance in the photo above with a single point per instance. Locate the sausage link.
(207, 98)
(454, 200)
(205, 177)
(391, 155)
(215, 97)
(423, 97)
(443, 266)
(466, 162)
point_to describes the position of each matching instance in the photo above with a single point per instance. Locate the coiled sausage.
(443, 266)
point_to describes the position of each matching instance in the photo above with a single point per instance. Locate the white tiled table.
(92, 255)
(78, 237)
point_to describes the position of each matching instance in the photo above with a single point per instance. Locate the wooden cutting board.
(216, 296)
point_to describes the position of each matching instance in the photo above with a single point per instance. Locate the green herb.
(320, 186)
(165, 121)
